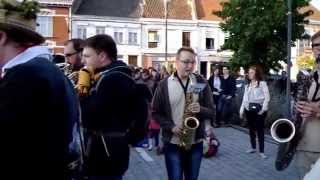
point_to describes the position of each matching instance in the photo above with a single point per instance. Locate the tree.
(306, 62)
(258, 30)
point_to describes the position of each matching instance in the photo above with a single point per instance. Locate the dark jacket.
(111, 109)
(162, 109)
(228, 86)
(38, 108)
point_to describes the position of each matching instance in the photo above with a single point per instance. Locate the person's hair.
(225, 66)
(146, 71)
(258, 72)
(103, 43)
(315, 36)
(77, 44)
(216, 67)
(58, 58)
(188, 49)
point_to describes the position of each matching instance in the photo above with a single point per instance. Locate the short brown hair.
(103, 43)
(188, 49)
(78, 44)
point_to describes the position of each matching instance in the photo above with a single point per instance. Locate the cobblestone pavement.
(231, 163)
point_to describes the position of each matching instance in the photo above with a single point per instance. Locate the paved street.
(232, 163)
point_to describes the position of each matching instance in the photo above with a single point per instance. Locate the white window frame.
(82, 32)
(45, 27)
(100, 30)
(154, 39)
(118, 37)
(133, 38)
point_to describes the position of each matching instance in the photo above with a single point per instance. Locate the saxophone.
(86, 78)
(287, 132)
(66, 68)
(189, 125)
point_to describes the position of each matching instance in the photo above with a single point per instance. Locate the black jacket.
(228, 86)
(38, 108)
(112, 109)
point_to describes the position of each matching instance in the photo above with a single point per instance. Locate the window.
(186, 39)
(100, 30)
(82, 32)
(153, 39)
(118, 37)
(209, 43)
(45, 27)
(133, 38)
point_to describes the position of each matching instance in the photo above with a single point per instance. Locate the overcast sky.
(316, 3)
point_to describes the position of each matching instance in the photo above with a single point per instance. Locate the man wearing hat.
(38, 106)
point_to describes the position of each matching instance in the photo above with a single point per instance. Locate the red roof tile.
(205, 9)
(177, 9)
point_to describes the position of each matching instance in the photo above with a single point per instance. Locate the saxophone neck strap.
(184, 87)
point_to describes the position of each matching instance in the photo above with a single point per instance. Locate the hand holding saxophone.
(308, 109)
(177, 130)
(194, 107)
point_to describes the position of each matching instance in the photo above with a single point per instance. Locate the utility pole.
(289, 37)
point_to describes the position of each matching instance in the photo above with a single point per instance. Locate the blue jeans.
(180, 162)
(224, 108)
(105, 178)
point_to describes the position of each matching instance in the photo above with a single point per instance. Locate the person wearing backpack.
(114, 112)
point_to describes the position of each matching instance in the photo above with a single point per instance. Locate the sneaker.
(263, 156)
(250, 151)
(150, 148)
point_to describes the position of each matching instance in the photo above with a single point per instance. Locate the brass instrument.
(66, 68)
(287, 132)
(86, 78)
(189, 125)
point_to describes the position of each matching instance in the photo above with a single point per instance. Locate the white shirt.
(26, 56)
(177, 101)
(217, 83)
(256, 94)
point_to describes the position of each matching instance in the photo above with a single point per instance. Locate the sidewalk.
(231, 163)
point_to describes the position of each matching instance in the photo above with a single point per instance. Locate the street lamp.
(289, 37)
(166, 28)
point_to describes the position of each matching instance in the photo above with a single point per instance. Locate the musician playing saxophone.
(169, 108)
(308, 150)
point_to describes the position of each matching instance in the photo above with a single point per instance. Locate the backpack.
(210, 145)
(137, 130)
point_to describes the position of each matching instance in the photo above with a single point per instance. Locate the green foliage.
(26, 9)
(258, 30)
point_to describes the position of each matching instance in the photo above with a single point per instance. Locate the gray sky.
(316, 3)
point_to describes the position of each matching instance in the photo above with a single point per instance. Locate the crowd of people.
(76, 115)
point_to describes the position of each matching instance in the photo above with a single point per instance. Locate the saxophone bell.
(283, 130)
(191, 123)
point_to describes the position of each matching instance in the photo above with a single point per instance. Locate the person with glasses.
(168, 110)
(308, 150)
(73, 52)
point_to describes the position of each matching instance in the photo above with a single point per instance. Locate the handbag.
(255, 107)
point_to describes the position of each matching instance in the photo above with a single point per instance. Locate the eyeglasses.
(315, 45)
(70, 54)
(188, 62)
